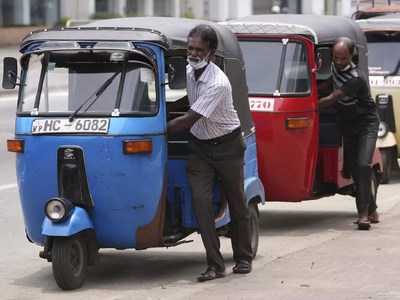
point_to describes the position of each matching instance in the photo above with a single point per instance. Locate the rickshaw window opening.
(66, 68)
(242, 65)
(270, 71)
(383, 54)
(98, 93)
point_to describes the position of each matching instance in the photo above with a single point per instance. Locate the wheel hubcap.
(76, 262)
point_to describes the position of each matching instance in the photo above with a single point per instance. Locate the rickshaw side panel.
(284, 158)
(179, 193)
(332, 165)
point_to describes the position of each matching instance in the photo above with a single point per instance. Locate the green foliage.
(188, 14)
(63, 21)
(134, 15)
(101, 15)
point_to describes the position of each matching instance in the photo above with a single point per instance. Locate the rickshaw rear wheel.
(374, 186)
(254, 228)
(69, 261)
(386, 154)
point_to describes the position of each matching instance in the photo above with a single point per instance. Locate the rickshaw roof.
(317, 29)
(386, 22)
(168, 33)
(375, 11)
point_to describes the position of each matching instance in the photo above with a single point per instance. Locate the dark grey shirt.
(357, 110)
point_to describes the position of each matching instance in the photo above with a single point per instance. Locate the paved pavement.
(355, 265)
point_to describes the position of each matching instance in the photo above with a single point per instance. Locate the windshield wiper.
(98, 93)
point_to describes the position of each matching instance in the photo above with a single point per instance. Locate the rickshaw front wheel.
(254, 228)
(69, 261)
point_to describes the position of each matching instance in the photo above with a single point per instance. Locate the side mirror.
(9, 73)
(323, 62)
(177, 73)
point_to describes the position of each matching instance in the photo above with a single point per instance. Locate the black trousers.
(358, 151)
(223, 158)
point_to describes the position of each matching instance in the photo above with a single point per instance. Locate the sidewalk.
(356, 265)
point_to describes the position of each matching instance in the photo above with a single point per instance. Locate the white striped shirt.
(211, 97)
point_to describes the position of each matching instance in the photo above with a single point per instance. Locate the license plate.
(41, 126)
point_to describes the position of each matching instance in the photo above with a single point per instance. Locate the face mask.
(199, 64)
(344, 69)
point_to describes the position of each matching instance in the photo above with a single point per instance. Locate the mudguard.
(78, 220)
(253, 188)
(389, 140)
(377, 159)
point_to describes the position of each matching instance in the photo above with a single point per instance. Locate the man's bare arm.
(184, 122)
(174, 106)
(332, 98)
(327, 84)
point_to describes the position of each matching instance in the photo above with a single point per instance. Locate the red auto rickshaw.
(300, 150)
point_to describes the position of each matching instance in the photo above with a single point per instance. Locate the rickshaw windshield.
(272, 66)
(62, 81)
(384, 53)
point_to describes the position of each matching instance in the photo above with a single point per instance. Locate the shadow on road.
(294, 222)
(130, 269)
(303, 223)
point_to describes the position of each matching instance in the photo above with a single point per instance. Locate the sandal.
(364, 224)
(242, 267)
(372, 220)
(210, 274)
(374, 217)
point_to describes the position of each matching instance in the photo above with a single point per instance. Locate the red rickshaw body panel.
(287, 158)
(332, 166)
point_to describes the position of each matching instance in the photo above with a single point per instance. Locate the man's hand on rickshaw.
(332, 98)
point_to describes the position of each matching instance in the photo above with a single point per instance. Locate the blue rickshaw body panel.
(125, 188)
(177, 179)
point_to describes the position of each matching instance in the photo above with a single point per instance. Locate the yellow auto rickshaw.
(383, 38)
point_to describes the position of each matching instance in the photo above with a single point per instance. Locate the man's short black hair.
(347, 42)
(207, 33)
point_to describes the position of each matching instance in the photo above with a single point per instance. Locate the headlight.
(58, 209)
(382, 129)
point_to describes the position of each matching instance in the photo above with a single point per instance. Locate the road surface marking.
(8, 186)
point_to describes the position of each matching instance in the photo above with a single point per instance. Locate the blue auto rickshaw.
(95, 166)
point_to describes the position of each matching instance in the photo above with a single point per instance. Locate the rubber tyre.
(374, 185)
(386, 154)
(254, 228)
(69, 261)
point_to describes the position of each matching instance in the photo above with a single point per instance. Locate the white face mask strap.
(207, 55)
